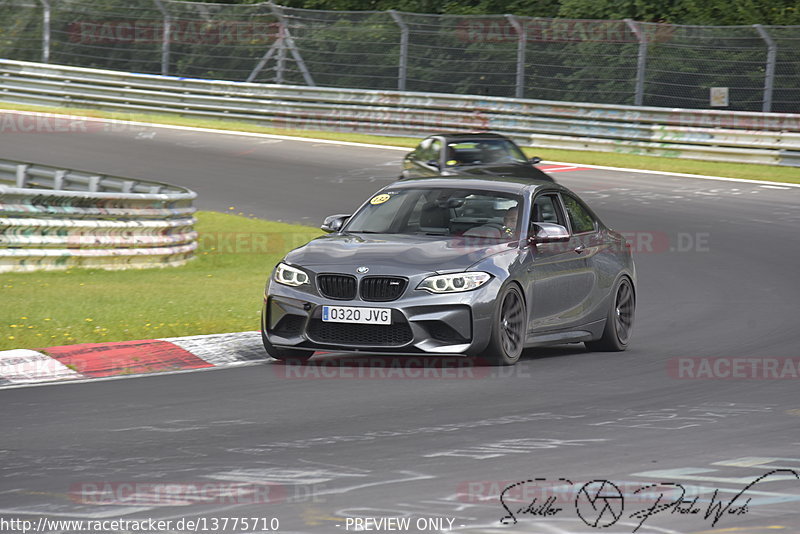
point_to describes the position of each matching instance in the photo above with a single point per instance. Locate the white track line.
(206, 130)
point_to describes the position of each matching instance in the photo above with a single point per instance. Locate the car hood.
(395, 254)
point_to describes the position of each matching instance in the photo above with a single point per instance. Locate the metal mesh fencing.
(690, 59)
(603, 61)
(106, 34)
(222, 41)
(578, 60)
(356, 49)
(21, 32)
(786, 95)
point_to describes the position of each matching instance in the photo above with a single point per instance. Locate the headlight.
(289, 276)
(454, 283)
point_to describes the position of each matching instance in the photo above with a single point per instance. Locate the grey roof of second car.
(500, 184)
(468, 135)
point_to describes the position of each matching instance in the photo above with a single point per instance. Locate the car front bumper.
(422, 322)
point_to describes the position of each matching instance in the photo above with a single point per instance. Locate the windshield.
(483, 152)
(441, 212)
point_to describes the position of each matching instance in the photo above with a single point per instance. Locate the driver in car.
(510, 222)
(507, 231)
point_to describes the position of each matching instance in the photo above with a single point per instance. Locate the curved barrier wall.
(746, 137)
(53, 219)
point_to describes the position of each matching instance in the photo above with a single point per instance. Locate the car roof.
(499, 183)
(469, 135)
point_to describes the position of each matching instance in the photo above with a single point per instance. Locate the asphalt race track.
(717, 264)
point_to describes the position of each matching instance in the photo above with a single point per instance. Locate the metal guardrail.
(53, 218)
(745, 137)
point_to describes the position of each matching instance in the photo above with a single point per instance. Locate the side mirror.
(534, 160)
(334, 223)
(432, 163)
(542, 232)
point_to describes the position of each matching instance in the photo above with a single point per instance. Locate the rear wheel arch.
(610, 339)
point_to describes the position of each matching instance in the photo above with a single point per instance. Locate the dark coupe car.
(470, 154)
(482, 267)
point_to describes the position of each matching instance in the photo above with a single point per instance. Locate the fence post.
(265, 58)
(45, 31)
(769, 74)
(166, 37)
(641, 63)
(58, 180)
(288, 42)
(22, 175)
(280, 63)
(522, 41)
(402, 69)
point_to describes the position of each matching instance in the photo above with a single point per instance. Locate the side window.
(421, 152)
(428, 150)
(547, 209)
(436, 148)
(579, 216)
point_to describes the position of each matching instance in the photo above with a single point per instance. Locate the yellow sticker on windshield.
(380, 199)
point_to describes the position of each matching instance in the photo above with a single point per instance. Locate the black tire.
(509, 326)
(619, 322)
(286, 355)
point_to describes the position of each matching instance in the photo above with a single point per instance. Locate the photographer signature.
(600, 503)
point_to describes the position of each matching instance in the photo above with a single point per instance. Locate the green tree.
(710, 12)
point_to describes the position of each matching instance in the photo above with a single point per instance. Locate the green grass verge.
(219, 291)
(611, 159)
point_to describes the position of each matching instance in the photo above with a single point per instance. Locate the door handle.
(579, 249)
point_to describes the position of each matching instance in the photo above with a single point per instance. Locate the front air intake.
(337, 286)
(382, 288)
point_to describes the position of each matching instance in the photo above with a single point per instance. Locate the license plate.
(350, 314)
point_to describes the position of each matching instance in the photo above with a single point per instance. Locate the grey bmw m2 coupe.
(481, 267)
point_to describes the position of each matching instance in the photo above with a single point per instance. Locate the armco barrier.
(746, 137)
(54, 218)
